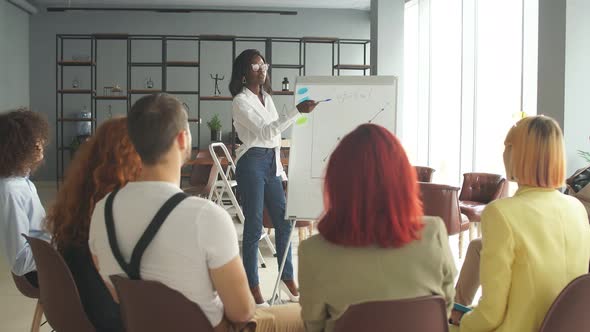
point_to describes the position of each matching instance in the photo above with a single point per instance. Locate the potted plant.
(215, 126)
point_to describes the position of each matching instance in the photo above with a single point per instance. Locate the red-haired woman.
(106, 161)
(374, 243)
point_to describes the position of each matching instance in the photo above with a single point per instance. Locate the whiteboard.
(354, 100)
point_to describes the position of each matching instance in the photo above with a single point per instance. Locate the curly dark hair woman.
(23, 136)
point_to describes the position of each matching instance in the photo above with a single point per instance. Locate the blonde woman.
(533, 244)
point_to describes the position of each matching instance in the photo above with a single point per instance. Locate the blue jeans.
(259, 187)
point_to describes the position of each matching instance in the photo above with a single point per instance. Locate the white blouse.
(260, 125)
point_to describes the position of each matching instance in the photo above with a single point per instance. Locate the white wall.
(112, 62)
(14, 57)
(577, 84)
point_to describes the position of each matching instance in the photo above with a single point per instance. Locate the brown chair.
(202, 176)
(58, 292)
(478, 190)
(150, 306)
(27, 289)
(424, 173)
(442, 201)
(427, 313)
(569, 311)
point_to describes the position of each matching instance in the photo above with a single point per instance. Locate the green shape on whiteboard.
(302, 91)
(302, 120)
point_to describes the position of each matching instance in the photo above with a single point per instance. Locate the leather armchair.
(424, 174)
(478, 190)
(442, 201)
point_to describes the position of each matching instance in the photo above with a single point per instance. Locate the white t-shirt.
(197, 236)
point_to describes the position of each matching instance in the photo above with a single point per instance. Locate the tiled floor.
(16, 311)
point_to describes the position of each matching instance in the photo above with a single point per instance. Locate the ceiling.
(293, 4)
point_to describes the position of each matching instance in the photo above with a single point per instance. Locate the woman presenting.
(259, 172)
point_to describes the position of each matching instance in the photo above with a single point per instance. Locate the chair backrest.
(483, 187)
(58, 293)
(427, 313)
(424, 173)
(150, 306)
(25, 287)
(200, 172)
(442, 200)
(569, 311)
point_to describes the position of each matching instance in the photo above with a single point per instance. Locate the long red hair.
(371, 192)
(106, 161)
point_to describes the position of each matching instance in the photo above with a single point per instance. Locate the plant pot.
(216, 135)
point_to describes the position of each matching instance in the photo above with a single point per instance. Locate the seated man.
(195, 251)
(23, 136)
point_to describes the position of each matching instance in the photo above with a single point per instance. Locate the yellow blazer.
(534, 244)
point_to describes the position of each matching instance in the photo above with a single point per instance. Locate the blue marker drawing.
(302, 100)
(302, 91)
(325, 100)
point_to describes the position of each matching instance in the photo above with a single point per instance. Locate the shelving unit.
(161, 65)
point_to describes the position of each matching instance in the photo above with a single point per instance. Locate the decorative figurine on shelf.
(217, 92)
(215, 126)
(149, 83)
(116, 90)
(84, 128)
(285, 84)
(110, 111)
(75, 83)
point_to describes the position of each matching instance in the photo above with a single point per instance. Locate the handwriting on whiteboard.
(353, 95)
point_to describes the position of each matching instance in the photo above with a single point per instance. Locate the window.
(465, 82)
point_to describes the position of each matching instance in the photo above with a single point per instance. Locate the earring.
(244, 80)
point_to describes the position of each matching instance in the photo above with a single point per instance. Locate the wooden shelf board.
(75, 91)
(217, 37)
(352, 67)
(144, 91)
(319, 39)
(111, 35)
(183, 92)
(75, 63)
(110, 97)
(146, 64)
(217, 98)
(283, 93)
(182, 63)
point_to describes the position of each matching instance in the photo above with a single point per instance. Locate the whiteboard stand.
(292, 220)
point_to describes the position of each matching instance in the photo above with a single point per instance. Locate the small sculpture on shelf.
(216, 91)
(84, 127)
(75, 83)
(285, 84)
(116, 90)
(149, 83)
(215, 126)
